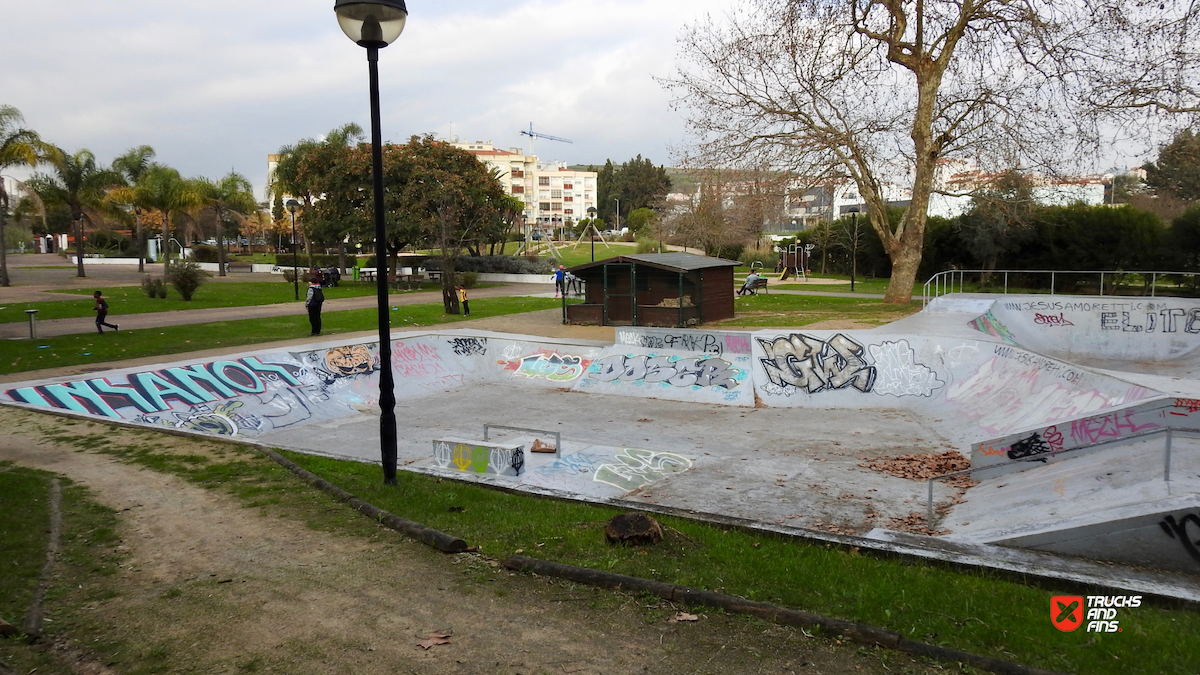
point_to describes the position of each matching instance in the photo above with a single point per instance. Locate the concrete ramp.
(1138, 334)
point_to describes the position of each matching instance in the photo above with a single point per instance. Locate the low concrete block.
(500, 459)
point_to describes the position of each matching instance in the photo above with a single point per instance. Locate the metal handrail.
(557, 435)
(1169, 431)
(943, 282)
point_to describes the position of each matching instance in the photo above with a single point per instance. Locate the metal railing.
(557, 435)
(946, 282)
(1169, 432)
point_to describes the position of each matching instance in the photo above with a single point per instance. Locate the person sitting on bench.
(748, 286)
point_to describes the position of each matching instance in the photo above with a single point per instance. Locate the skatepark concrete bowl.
(1078, 435)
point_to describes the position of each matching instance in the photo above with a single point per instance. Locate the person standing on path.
(313, 302)
(462, 300)
(101, 310)
(560, 280)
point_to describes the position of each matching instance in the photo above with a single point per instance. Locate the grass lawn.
(131, 299)
(71, 350)
(975, 611)
(86, 554)
(801, 310)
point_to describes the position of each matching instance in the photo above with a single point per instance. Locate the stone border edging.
(33, 620)
(426, 535)
(857, 632)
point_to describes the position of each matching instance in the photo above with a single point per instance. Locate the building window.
(544, 206)
(568, 186)
(556, 182)
(556, 194)
(544, 194)
(518, 189)
(569, 211)
(544, 180)
(568, 198)
(556, 206)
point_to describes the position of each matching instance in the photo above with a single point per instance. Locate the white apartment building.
(552, 193)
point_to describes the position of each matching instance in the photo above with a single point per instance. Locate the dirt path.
(210, 586)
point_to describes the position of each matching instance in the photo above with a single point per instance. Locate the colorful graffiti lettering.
(549, 366)
(153, 391)
(635, 468)
(479, 458)
(673, 370)
(219, 420)
(814, 365)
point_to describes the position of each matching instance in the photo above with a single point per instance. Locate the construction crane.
(534, 135)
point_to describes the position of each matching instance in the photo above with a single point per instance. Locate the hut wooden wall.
(717, 294)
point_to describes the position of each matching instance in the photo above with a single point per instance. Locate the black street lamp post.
(592, 228)
(292, 207)
(853, 245)
(375, 24)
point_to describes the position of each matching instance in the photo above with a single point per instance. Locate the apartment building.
(553, 194)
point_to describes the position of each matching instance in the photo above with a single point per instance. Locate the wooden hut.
(654, 289)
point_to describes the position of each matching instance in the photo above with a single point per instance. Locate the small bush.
(186, 277)
(729, 251)
(154, 287)
(289, 275)
(203, 253)
(647, 246)
(466, 279)
(501, 264)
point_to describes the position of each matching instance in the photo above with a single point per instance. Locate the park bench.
(239, 267)
(760, 282)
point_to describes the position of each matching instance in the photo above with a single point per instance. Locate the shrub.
(647, 246)
(186, 277)
(154, 287)
(466, 279)
(501, 264)
(289, 275)
(203, 253)
(729, 251)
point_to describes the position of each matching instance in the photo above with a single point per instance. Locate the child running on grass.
(101, 310)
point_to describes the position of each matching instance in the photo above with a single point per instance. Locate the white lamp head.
(371, 23)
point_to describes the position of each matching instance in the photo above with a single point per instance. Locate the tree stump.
(7, 629)
(633, 529)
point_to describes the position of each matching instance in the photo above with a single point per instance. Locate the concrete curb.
(33, 621)
(857, 632)
(426, 535)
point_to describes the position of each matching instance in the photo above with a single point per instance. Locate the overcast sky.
(218, 85)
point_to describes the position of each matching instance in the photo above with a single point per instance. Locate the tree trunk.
(342, 258)
(3, 244)
(141, 240)
(79, 248)
(166, 252)
(449, 296)
(308, 251)
(220, 245)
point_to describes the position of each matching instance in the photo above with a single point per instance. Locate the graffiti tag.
(813, 365)
(1051, 320)
(1179, 529)
(1114, 425)
(1032, 446)
(898, 373)
(635, 468)
(673, 370)
(469, 346)
(550, 366)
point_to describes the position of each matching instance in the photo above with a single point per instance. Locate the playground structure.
(1078, 444)
(795, 261)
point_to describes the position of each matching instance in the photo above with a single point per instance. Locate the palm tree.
(170, 193)
(79, 184)
(233, 195)
(18, 146)
(134, 166)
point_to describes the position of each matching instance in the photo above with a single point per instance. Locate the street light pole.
(853, 244)
(592, 226)
(292, 207)
(374, 24)
(617, 227)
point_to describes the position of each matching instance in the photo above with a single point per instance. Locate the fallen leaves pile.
(913, 522)
(924, 467)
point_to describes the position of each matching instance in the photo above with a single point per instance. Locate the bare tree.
(882, 91)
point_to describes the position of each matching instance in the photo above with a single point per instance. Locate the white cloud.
(218, 86)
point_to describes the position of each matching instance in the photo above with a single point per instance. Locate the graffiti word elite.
(1166, 321)
(153, 391)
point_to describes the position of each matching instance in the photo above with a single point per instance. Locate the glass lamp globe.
(371, 23)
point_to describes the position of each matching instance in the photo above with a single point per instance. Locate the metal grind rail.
(557, 435)
(1169, 432)
(948, 281)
